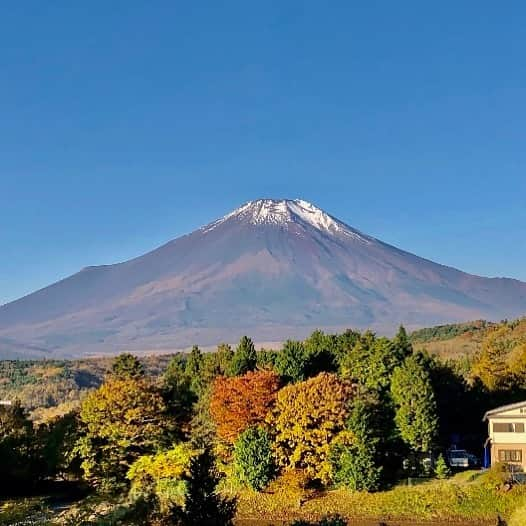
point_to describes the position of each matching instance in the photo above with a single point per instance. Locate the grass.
(466, 497)
(518, 517)
(21, 511)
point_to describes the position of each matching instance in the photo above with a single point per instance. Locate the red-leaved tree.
(241, 401)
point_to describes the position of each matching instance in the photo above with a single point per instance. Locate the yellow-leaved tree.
(517, 363)
(491, 367)
(308, 416)
(122, 420)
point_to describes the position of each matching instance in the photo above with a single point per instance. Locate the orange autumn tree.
(241, 401)
(307, 418)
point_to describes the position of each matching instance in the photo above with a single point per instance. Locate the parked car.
(458, 458)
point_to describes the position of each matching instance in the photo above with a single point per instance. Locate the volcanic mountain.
(272, 269)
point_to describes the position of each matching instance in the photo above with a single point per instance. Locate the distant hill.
(49, 386)
(272, 269)
(465, 339)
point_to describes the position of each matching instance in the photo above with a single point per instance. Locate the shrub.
(496, 476)
(354, 467)
(442, 470)
(253, 458)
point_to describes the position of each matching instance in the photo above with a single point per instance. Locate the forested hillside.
(47, 388)
(466, 340)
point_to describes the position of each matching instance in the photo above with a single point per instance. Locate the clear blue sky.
(126, 124)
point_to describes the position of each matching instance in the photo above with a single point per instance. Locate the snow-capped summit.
(285, 212)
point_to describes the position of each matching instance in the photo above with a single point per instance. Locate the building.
(507, 435)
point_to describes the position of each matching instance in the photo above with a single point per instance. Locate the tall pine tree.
(194, 370)
(402, 347)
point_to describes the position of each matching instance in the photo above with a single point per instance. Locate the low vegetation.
(454, 500)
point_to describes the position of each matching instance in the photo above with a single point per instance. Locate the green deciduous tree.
(57, 439)
(164, 474)
(370, 363)
(322, 353)
(177, 387)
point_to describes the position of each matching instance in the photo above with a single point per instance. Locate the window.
(510, 455)
(508, 427)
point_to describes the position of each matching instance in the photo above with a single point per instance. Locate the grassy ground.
(466, 497)
(23, 511)
(469, 498)
(518, 518)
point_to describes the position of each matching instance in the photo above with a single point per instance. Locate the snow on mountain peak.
(283, 212)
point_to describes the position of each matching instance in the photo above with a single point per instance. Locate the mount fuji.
(272, 269)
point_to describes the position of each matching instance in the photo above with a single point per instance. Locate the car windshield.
(458, 453)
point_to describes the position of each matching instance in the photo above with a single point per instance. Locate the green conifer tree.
(194, 370)
(244, 359)
(354, 463)
(204, 505)
(402, 347)
(416, 411)
(292, 361)
(253, 457)
(126, 366)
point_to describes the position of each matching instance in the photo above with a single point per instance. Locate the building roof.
(491, 412)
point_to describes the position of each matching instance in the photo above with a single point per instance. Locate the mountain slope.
(272, 268)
